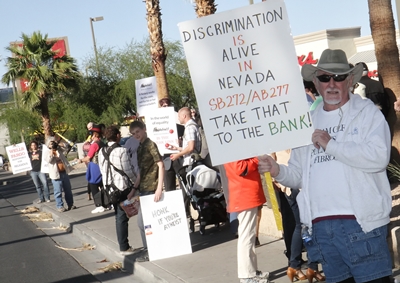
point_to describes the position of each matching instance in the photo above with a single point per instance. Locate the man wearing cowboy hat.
(345, 199)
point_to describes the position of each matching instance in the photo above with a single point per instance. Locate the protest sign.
(166, 228)
(161, 128)
(247, 81)
(146, 95)
(19, 158)
(44, 168)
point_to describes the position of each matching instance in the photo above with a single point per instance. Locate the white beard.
(333, 101)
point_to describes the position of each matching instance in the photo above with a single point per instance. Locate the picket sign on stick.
(274, 201)
(247, 82)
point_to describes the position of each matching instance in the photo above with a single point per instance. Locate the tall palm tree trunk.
(387, 54)
(44, 107)
(205, 8)
(157, 49)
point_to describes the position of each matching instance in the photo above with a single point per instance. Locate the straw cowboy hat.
(334, 62)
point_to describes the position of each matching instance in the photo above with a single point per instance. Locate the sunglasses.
(336, 78)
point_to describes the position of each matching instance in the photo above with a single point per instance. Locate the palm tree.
(205, 7)
(386, 52)
(157, 49)
(45, 71)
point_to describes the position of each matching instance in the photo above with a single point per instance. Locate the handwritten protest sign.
(146, 95)
(166, 229)
(19, 158)
(161, 128)
(247, 81)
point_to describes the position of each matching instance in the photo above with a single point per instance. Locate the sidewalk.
(213, 258)
(214, 254)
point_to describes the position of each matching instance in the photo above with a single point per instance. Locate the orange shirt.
(244, 185)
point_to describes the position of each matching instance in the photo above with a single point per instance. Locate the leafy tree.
(46, 72)
(123, 66)
(19, 121)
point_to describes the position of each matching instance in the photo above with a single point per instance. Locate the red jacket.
(244, 185)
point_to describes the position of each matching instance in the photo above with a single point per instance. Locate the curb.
(147, 271)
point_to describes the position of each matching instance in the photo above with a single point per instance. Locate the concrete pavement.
(213, 258)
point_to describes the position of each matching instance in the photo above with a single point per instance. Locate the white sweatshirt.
(364, 149)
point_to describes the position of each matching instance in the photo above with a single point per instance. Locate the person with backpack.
(118, 176)
(93, 175)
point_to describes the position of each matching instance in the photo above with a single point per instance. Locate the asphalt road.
(28, 250)
(27, 254)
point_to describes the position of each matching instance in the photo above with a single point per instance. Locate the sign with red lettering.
(309, 60)
(161, 129)
(247, 81)
(19, 158)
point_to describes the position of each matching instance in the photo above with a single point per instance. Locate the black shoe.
(71, 207)
(144, 257)
(257, 242)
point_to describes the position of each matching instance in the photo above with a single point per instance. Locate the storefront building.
(358, 49)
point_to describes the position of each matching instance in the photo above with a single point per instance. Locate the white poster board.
(161, 128)
(166, 228)
(19, 158)
(146, 95)
(247, 81)
(44, 168)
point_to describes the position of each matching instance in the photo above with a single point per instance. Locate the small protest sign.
(247, 81)
(19, 158)
(146, 95)
(166, 228)
(161, 128)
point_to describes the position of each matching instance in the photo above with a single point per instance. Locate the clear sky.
(125, 20)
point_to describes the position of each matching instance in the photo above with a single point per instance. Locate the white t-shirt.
(327, 184)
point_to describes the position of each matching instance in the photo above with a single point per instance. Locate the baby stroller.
(203, 188)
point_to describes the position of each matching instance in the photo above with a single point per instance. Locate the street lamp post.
(96, 19)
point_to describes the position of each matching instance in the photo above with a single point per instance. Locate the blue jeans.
(296, 246)
(62, 184)
(121, 225)
(345, 251)
(40, 181)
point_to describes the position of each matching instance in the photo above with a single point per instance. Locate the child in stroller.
(202, 186)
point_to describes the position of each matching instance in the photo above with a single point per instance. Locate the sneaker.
(40, 201)
(144, 257)
(71, 207)
(263, 275)
(257, 242)
(47, 200)
(98, 209)
(61, 209)
(129, 251)
(254, 280)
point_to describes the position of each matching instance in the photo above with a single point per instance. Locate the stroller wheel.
(191, 225)
(202, 230)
